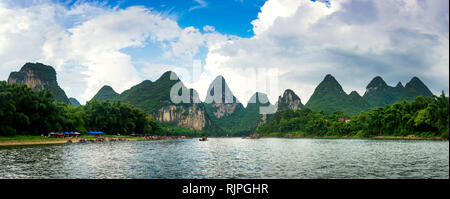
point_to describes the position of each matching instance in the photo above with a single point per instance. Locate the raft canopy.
(70, 133)
(95, 133)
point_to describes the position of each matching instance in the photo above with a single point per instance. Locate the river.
(230, 158)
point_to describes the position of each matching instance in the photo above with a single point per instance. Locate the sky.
(120, 43)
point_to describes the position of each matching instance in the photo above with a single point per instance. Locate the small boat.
(203, 139)
(69, 142)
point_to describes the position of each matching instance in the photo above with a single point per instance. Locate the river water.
(230, 158)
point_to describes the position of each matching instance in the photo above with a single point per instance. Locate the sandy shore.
(40, 142)
(30, 142)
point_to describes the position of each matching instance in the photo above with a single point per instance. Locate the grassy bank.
(30, 140)
(27, 138)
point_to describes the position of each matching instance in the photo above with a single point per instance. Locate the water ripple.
(230, 158)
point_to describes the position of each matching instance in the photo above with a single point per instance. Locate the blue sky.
(227, 16)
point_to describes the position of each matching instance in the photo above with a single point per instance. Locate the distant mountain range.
(378, 93)
(223, 112)
(329, 95)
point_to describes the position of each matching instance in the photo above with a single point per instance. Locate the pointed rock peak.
(399, 85)
(107, 88)
(169, 75)
(354, 93)
(106, 93)
(41, 71)
(288, 92)
(415, 87)
(415, 80)
(39, 76)
(289, 100)
(37, 65)
(416, 83)
(330, 80)
(377, 82)
(329, 77)
(329, 84)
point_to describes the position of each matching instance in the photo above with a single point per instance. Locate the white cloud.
(353, 40)
(209, 28)
(84, 42)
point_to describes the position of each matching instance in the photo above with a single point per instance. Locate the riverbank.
(38, 140)
(409, 137)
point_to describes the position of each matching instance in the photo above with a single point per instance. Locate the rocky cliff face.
(39, 76)
(224, 109)
(192, 116)
(263, 119)
(289, 100)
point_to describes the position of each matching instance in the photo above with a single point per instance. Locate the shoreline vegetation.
(409, 137)
(422, 118)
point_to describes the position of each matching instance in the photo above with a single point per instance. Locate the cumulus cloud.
(354, 40)
(85, 42)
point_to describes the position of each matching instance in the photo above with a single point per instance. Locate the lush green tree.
(425, 116)
(24, 111)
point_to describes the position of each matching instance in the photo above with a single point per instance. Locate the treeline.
(24, 111)
(424, 117)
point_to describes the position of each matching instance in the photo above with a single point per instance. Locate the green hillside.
(150, 96)
(378, 93)
(330, 97)
(106, 93)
